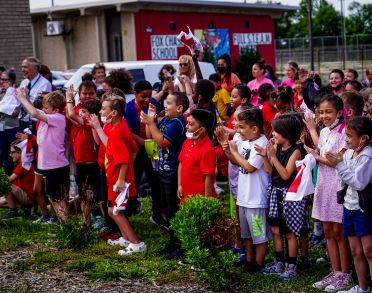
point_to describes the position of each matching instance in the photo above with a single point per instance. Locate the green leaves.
(5, 185)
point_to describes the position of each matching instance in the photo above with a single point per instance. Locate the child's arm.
(13, 177)
(70, 113)
(209, 184)
(311, 126)
(179, 191)
(22, 97)
(284, 171)
(357, 179)
(320, 159)
(226, 148)
(98, 133)
(239, 159)
(120, 183)
(263, 153)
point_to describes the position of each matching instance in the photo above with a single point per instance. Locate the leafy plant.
(73, 234)
(243, 65)
(192, 223)
(5, 185)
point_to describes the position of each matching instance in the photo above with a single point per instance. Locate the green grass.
(101, 262)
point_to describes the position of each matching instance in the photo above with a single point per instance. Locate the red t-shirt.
(129, 140)
(268, 113)
(229, 123)
(83, 144)
(198, 160)
(25, 180)
(117, 154)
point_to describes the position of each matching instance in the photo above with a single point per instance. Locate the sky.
(47, 3)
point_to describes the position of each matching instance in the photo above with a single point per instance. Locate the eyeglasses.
(14, 152)
(184, 64)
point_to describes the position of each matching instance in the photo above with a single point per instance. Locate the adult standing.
(368, 81)
(34, 82)
(291, 69)
(9, 123)
(99, 74)
(228, 78)
(258, 71)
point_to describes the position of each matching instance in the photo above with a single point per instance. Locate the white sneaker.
(120, 241)
(356, 289)
(133, 248)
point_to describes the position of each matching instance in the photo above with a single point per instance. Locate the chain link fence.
(328, 53)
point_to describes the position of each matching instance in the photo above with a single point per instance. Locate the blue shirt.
(132, 117)
(174, 131)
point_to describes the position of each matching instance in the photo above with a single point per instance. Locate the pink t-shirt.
(289, 82)
(254, 85)
(51, 142)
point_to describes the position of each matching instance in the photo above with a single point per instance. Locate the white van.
(140, 70)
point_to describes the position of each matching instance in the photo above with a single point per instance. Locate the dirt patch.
(54, 280)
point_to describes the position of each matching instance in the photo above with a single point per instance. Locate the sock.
(279, 256)
(318, 229)
(292, 260)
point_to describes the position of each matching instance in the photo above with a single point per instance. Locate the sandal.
(120, 241)
(133, 248)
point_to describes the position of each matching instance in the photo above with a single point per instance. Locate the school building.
(69, 36)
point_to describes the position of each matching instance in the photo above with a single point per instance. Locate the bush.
(204, 232)
(5, 185)
(243, 65)
(73, 234)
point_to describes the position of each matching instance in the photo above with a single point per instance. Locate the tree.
(360, 19)
(327, 20)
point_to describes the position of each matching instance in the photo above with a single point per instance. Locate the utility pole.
(344, 55)
(310, 11)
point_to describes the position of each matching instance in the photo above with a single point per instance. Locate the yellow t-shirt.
(222, 100)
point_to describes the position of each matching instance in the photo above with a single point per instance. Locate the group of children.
(262, 141)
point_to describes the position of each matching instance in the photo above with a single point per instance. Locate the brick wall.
(15, 33)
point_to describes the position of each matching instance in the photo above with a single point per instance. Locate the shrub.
(5, 185)
(200, 225)
(73, 234)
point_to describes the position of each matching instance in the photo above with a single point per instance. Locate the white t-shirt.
(38, 85)
(233, 170)
(252, 187)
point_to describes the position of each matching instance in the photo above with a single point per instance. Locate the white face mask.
(106, 119)
(192, 134)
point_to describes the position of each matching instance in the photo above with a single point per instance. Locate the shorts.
(88, 180)
(39, 172)
(356, 223)
(57, 183)
(253, 224)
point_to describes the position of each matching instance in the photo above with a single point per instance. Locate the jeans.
(169, 199)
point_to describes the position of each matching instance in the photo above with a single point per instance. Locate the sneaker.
(52, 220)
(169, 248)
(237, 250)
(12, 215)
(159, 220)
(289, 272)
(183, 263)
(327, 280)
(355, 289)
(252, 267)
(176, 254)
(342, 282)
(303, 266)
(43, 219)
(276, 268)
(120, 241)
(241, 260)
(196, 269)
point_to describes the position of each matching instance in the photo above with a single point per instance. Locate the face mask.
(192, 135)
(335, 123)
(221, 69)
(106, 119)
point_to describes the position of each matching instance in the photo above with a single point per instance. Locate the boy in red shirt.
(85, 152)
(119, 170)
(197, 160)
(22, 180)
(267, 95)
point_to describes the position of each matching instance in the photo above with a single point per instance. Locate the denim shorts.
(356, 223)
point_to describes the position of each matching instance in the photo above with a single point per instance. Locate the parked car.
(59, 80)
(140, 70)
